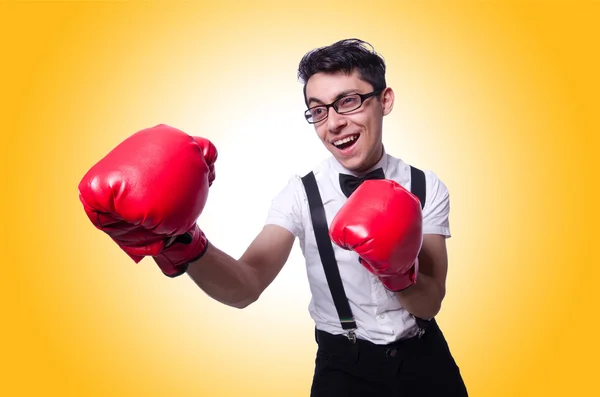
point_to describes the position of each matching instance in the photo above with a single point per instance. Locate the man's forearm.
(423, 299)
(224, 278)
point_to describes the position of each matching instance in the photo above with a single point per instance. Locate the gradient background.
(500, 99)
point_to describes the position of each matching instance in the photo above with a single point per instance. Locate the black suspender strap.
(418, 188)
(324, 244)
(417, 184)
(317, 213)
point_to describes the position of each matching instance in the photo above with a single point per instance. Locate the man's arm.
(238, 283)
(424, 299)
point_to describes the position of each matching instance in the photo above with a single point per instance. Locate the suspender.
(417, 184)
(324, 244)
(332, 274)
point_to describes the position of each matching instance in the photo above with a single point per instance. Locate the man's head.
(346, 96)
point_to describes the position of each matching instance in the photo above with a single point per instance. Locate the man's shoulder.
(319, 170)
(404, 167)
(322, 167)
(435, 189)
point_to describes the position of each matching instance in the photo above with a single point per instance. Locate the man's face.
(354, 139)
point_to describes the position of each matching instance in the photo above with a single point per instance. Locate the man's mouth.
(346, 143)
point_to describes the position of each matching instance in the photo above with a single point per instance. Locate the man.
(387, 246)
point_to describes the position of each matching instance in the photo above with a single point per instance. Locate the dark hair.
(344, 56)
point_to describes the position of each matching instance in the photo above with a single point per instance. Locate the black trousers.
(417, 367)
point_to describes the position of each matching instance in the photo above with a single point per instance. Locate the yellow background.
(500, 99)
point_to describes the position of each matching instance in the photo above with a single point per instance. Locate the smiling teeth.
(345, 140)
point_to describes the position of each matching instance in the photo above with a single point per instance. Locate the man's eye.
(348, 103)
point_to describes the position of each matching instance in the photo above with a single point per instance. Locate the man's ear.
(387, 100)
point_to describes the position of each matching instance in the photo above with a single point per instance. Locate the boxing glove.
(382, 223)
(148, 192)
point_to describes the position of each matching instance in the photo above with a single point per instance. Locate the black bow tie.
(350, 183)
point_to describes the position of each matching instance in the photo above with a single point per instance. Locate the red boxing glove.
(382, 222)
(150, 188)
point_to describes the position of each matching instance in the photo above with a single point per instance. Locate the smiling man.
(372, 229)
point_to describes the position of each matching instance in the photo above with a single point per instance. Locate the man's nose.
(335, 121)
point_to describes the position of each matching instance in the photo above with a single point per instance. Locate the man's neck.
(363, 170)
(372, 163)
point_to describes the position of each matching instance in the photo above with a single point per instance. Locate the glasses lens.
(316, 114)
(348, 103)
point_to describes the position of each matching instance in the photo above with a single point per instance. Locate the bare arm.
(238, 283)
(424, 299)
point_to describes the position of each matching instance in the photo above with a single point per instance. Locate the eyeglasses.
(342, 105)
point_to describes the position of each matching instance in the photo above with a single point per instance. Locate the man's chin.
(353, 164)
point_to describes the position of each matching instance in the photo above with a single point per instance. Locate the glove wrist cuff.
(175, 259)
(402, 282)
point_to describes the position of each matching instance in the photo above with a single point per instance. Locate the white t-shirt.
(378, 314)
